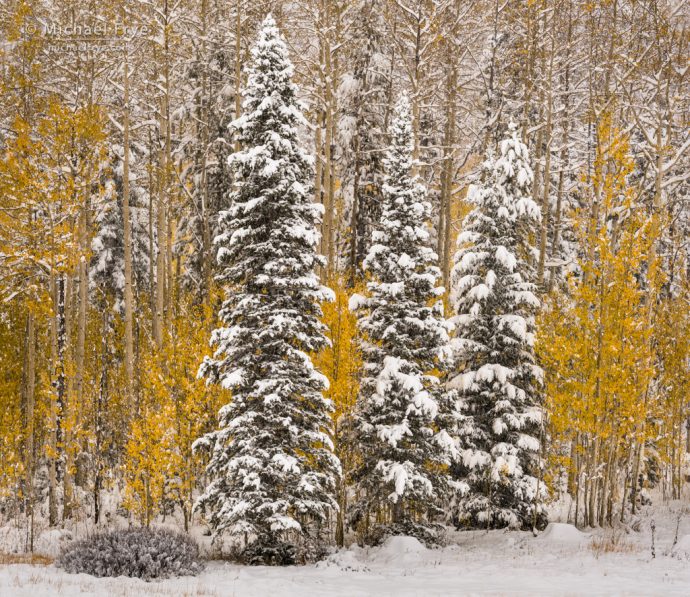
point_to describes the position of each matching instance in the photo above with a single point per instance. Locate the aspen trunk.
(445, 211)
(556, 229)
(101, 398)
(203, 131)
(58, 393)
(625, 489)
(576, 479)
(355, 215)
(318, 182)
(328, 176)
(29, 397)
(238, 65)
(127, 235)
(161, 236)
(545, 203)
(68, 423)
(564, 148)
(635, 477)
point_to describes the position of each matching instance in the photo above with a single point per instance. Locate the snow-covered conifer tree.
(272, 469)
(497, 381)
(107, 271)
(402, 413)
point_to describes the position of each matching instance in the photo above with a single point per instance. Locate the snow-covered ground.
(561, 561)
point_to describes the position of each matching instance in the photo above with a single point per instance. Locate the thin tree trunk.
(318, 181)
(546, 203)
(29, 396)
(127, 235)
(204, 124)
(635, 476)
(329, 146)
(238, 65)
(355, 215)
(444, 232)
(58, 394)
(161, 235)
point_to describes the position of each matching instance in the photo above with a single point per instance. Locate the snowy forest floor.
(560, 561)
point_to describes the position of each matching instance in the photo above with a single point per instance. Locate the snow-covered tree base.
(278, 553)
(272, 551)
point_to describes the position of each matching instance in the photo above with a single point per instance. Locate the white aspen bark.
(29, 393)
(546, 203)
(127, 234)
(449, 169)
(161, 237)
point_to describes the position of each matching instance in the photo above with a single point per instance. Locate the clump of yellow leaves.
(595, 342)
(174, 409)
(341, 363)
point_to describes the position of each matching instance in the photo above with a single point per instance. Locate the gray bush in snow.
(142, 553)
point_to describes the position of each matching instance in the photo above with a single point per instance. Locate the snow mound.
(682, 548)
(400, 549)
(350, 559)
(561, 533)
(400, 544)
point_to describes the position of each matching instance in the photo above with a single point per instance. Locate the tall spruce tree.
(273, 472)
(402, 413)
(497, 381)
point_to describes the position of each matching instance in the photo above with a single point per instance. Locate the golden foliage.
(595, 340)
(341, 361)
(174, 409)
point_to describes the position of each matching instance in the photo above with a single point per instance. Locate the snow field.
(560, 561)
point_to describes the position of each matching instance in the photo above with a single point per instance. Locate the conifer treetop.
(494, 233)
(510, 176)
(400, 247)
